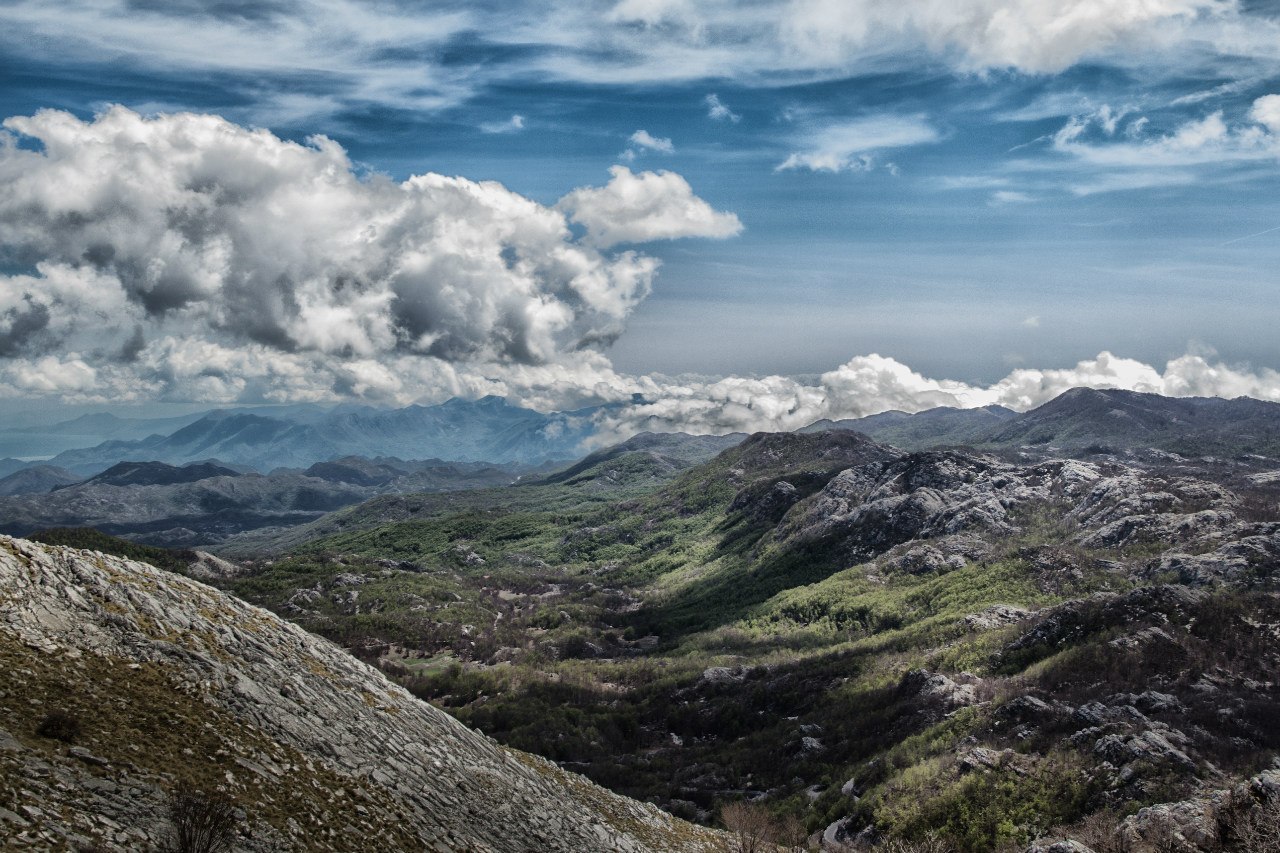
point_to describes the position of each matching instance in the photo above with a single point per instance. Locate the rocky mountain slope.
(208, 503)
(121, 684)
(994, 647)
(202, 503)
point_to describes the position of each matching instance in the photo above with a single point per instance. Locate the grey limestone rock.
(1058, 847)
(361, 763)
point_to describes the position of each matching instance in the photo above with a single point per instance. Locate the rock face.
(168, 681)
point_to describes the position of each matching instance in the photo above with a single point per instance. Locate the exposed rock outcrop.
(169, 680)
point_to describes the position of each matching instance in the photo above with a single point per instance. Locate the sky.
(751, 213)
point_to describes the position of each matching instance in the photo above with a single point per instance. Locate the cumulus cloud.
(150, 236)
(718, 110)
(1266, 112)
(870, 384)
(636, 208)
(851, 145)
(644, 139)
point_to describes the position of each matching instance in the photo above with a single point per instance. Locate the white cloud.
(387, 53)
(183, 254)
(636, 208)
(1200, 141)
(718, 110)
(1266, 112)
(645, 140)
(1031, 35)
(652, 12)
(973, 182)
(870, 384)
(1010, 197)
(1187, 153)
(850, 145)
(515, 124)
(354, 45)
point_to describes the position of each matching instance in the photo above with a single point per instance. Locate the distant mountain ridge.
(159, 474)
(85, 430)
(492, 430)
(1088, 420)
(484, 430)
(205, 502)
(941, 425)
(1084, 417)
(36, 480)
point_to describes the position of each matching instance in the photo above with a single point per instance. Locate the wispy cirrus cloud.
(351, 53)
(1191, 151)
(853, 144)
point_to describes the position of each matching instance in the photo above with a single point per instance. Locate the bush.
(201, 823)
(931, 843)
(1257, 830)
(754, 830)
(59, 725)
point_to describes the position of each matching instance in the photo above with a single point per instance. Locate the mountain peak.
(489, 401)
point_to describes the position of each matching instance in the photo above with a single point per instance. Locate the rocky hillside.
(882, 645)
(125, 690)
(203, 503)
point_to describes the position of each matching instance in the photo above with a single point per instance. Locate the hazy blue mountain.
(36, 480)
(10, 465)
(488, 429)
(86, 431)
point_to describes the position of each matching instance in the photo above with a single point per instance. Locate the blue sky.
(967, 189)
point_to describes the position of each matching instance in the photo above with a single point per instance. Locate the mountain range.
(200, 485)
(1048, 632)
(207, 502)
(491, 430)
(1088, 419)
(488, 430)
(1026, 649)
